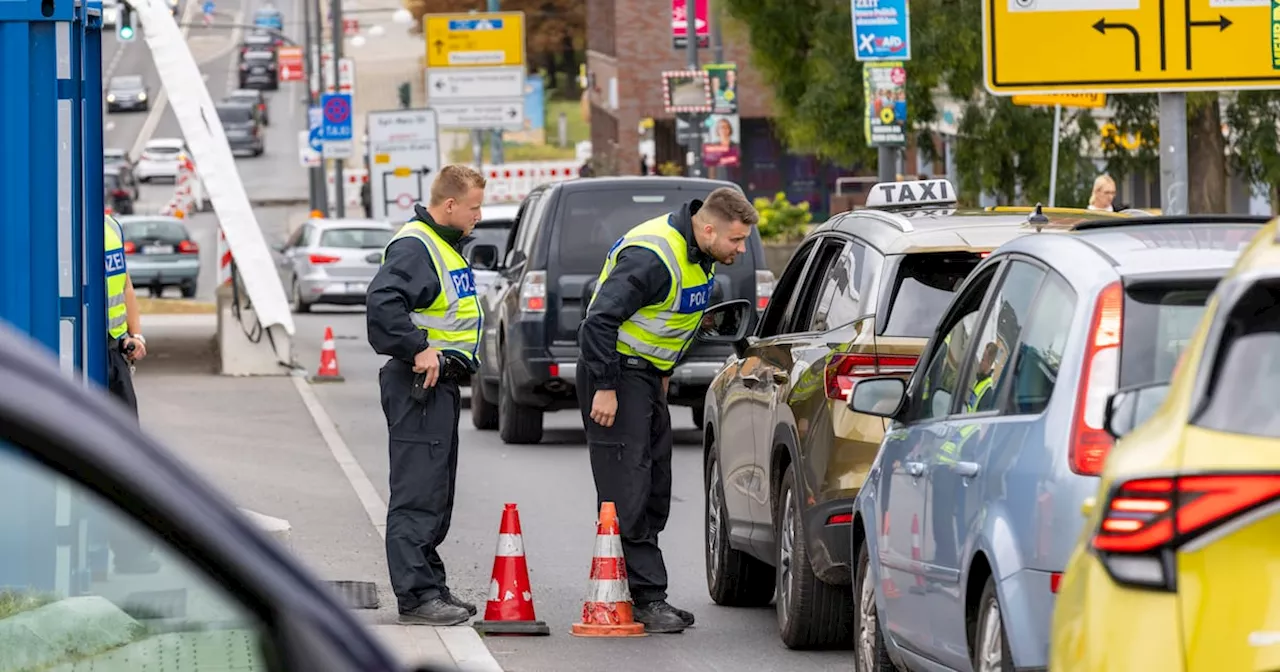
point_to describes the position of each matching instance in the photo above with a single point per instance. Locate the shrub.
(782, 221)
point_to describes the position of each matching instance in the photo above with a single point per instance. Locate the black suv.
(555, 251)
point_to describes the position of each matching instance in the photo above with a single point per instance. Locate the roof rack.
(1214, 218)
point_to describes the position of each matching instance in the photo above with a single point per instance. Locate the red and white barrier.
(353, 180)
(511, 182)
(224, 259)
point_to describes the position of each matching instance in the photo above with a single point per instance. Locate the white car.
(161, 158)
(110, 13)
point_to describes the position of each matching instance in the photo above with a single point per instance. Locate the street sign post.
(480, 39)
(308, 156)
(476, 69)
(404, 158)
(449, 84)
(315, 129)
(290, 63)
(336, 127)
(882, 30)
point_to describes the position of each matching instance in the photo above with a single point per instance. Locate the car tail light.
(244, 67)
(1090, 441)
(764, 288)
(1148, 518)
(322, 259)
(843, 370)
(840, 518)
(119, 193)
(129, 247)
(533, 292)
(188, 247)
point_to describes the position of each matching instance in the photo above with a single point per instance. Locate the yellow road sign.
(480, 39)
(1064, 99)
(1119, 46)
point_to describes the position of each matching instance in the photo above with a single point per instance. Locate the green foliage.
(782, 221)
(1254, 119)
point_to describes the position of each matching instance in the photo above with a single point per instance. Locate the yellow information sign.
(1064, 99)
(1121, 46)
(474, 40)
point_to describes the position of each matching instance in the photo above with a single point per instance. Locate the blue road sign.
(881, 30)
(315, 137)
(336, 108)
(478, 24)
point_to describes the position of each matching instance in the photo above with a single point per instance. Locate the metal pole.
(315, 174)
(697, 120)
(1173, 153)
(717, 51)
(94, 275)
(339, 192)
(495, 139)
(887, 161)
(1053, 166)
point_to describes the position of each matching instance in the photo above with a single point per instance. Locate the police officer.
(125, 343)
(656, 282)
(424, 314)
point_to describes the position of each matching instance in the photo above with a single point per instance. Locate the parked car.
(118, 159)
(75, 470)
(127, 92)
(552, 263)
(258, 70)
(242, 125)
(331, 261)
(496, 222)
(253, 97)
(860, 296)
(972, 506)
(159, 253)
(1181, 532)
(117, 195)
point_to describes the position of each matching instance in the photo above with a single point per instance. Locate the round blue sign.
(336, 110)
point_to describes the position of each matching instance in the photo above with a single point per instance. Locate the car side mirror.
(879, 396)
(278, 247)
(727, 323)
(483, 257)
(1131, 406)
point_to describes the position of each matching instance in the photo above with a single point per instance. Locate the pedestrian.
(1104, 192)
(655, 285)
(423, 313)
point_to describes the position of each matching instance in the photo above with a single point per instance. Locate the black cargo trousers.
(423, 447)
(631, 464)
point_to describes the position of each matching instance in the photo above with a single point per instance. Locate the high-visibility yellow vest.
(660, 333)
(117, 313)
(454, 320)
(975, 395)
(950, 451)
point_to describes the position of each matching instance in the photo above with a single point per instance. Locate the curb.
(280, 202)
(153, 306)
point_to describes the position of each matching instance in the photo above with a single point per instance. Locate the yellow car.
(1179, 565)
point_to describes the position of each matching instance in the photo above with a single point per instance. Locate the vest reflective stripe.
(455, 320)
(117, 313)
(660, 333)
(975, 397)
(950, 451)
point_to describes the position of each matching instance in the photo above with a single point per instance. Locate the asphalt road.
(552, 485)
(274, 175)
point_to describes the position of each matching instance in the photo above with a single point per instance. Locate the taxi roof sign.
(911, 193)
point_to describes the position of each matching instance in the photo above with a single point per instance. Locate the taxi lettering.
(917, 192)
(464, 283)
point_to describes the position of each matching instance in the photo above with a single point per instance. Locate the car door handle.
(751, 380)
(781, 377)
(916, 469)
(966, 469)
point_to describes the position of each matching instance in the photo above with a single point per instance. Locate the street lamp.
(402, 16)
(376, 31)
(357, 41)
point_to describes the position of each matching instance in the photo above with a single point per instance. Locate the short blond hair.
(730, 205)
(454, 181)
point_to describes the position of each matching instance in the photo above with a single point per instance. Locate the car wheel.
(870, 652)
(189, 290)
(296, 304)
(734, 578)
(516, 424)
(811, 613)
(990, 646)
(484, 413)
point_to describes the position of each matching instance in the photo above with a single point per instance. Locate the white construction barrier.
(353, 180)
(511, 182)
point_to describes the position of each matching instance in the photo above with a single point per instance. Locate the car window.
(295, 238)
(941, 380)
(922, 289)
(841, 300)
(590, 222)
(91, 588)
(984, 381)
(1040, 349)
(495, 234)
(805, 300)
(1245, 379)
(771, 323)
(161, 230)
(525, 221)
(235, 114)
(356, 239)
(1158, 324)
(110, 180)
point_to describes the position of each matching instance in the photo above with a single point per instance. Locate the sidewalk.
(256, 440)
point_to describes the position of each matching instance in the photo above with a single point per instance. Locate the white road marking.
(157, 110)
(463, 643)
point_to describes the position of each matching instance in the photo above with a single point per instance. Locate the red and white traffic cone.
(510, 608)
(916, 559)
(328, 371)
(607, 611)
(890, 588)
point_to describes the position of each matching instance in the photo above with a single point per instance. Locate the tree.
(1254, 119)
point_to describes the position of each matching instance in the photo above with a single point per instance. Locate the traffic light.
(124, 25)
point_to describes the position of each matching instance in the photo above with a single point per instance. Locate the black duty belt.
(639, 364)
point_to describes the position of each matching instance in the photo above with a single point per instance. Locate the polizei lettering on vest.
(115, 262)
(464, 282)
(694, 299)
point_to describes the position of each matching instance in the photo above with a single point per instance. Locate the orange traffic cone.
(328, 372)
(890, 588)
(607, 609)
(510, 607)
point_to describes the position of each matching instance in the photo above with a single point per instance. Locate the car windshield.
(1158, 324)
(258, 56)
(235, 114)
(162, 149)
(129, 83)
(356, 239)
(161, 230)
(243, 97)
(591, 221)
(923, 289)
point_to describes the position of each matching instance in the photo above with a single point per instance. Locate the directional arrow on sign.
(1222, 24)
(440, 85)
(439, 45)
(1101, 26)
(513, 112)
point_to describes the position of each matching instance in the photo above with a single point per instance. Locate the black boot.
(659, 617)
(455, 601)
(434, 612)
(685, 616)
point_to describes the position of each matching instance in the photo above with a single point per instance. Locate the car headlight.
(142, 96)
(111, 97)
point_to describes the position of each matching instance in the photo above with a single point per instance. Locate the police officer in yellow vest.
(424, 314)
(125, 343)
(656, 282)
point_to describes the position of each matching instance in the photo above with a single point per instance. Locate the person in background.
(1104, 192)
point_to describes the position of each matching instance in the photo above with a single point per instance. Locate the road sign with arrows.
(1125, 46)
(476, 39)
(404, 157)
(475, 69)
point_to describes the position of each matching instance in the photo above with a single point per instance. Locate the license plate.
(157, 249)
(357, 286)
(258, 71)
